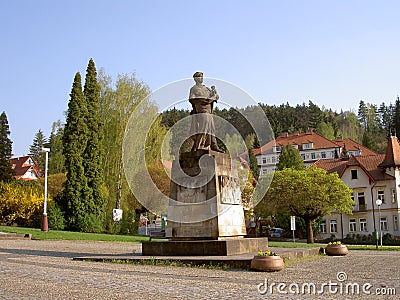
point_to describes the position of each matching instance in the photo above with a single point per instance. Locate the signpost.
(293, 226)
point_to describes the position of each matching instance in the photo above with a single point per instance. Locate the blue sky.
(334, 53)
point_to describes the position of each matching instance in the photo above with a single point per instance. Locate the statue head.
(198, 74)
(198, 77)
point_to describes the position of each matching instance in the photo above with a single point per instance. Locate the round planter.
(336, 250)
(267, 263)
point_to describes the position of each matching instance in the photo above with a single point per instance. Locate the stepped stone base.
(205, 247)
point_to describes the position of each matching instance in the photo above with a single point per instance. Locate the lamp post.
(45, 225)
(379, 203)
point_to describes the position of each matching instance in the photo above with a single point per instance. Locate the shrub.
(21, 203)
(56, 218)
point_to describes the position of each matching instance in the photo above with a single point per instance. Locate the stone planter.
(336, 250)
(267, 263)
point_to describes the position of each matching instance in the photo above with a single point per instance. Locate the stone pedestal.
(205, 214)
(204, 248)
(205, 198)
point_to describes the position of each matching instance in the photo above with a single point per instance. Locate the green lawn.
(350, 247)
(293, 245)
(373, 247)
(68, 235)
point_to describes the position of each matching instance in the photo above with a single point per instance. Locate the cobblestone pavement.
(31, 269)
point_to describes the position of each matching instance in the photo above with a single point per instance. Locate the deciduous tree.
(308, 194)
(290, 158)
(56, 158)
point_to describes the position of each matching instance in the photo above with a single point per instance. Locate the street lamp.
(379, 203)
(45, 225)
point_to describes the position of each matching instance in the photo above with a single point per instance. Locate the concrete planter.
(267, 263)
(336, 250)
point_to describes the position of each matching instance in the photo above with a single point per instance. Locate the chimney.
(285, 134)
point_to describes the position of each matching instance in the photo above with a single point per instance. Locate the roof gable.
(369, 164)
(21, 166)
(352, 145)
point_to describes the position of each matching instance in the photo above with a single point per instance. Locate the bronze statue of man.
(202, 128)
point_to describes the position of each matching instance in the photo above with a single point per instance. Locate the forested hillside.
(368, 124)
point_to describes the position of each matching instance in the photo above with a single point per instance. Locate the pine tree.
(35, 150)
(6, 171)
(74, 144)
(396, 117)
(290, 158)
(362, 114)
(368, 141)
(93, 154)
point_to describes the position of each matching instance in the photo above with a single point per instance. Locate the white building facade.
(371, 178)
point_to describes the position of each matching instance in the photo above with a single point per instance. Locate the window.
(393, 196)
(264, 160)
(352, 225)
(361, 201)
(395, 223)
(352, 196)
(322, 226)
(303, 156)
(381, 196)
(307, 146)
(273, 159)
(363, 224)
(354, 174)
(384, 224)
(323, 154)
(333, 226)
(313, 155)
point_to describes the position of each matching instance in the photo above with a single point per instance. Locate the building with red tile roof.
(351, 147)
(26, 168)
(311, 145)
(372, 177)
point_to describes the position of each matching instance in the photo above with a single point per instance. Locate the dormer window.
(307, 146)
(277, 149)
(295, 146)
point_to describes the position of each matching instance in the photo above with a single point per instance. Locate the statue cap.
(198, 74)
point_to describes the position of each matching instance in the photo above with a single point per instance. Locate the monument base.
(205, 247)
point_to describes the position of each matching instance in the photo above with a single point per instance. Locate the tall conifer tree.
(6, 171)
(93, 153)
(74, 144)
(396, 117)
(35, 150)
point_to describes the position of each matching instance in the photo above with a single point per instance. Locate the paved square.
(31, 269)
